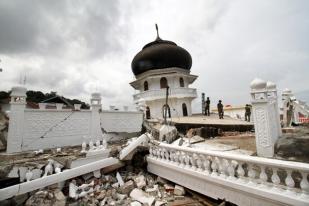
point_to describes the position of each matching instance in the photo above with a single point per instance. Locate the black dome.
(161, 54)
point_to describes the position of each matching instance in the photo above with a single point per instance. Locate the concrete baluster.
(176, 158)
(199, 163)
(304, 185)
(289, 182)
(222, 167)
(167, 155)
(150, 151)
(263, 176)
(182, 159)
(275, 179)
(172, 152)
(162, 152)
(206, 164)
(187, 160)
(231, 170)
(241, 172)
(251, 174)
(214, 167)
(193, 158)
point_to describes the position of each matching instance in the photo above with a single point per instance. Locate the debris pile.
(124, 188)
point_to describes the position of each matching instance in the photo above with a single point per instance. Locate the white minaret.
(161, 64)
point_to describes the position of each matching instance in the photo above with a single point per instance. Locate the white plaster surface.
(121, 121)
(125, 152)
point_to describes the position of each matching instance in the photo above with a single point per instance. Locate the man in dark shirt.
(247, 113)
(207, 105)
(220, 109)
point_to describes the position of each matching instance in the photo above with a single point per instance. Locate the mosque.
(162, 68)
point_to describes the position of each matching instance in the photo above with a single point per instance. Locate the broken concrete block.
(127, 187)
(161, 180)
(135, 203)
(141, 196)
(179, 190)
(22, 173)
(167, 133)
(13, 173)
(120, 196)
(160, 203)
(104, 153)
(36, 173)
(97, 174)
(169, 188)
(119, 179)
(153, 191)
(126, 153)
(140, 181)
(102, 195)
(87, 176)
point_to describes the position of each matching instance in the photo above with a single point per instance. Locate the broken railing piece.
(92, 147)
(257, 173)
(22, 188)
(126, 152)
(76, 192)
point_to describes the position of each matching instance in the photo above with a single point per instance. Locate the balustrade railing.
(161, 93)
(281, 176)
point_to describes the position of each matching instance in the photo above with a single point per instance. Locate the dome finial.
(157, 28)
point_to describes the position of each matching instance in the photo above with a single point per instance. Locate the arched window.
(147, 113)
(181, 82)
(166, 111)
(145, 85)
(163, 83)
(184, 110)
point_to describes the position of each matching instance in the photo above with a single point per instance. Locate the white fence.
(240, 179)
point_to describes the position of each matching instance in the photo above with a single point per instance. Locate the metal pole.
(166, 105)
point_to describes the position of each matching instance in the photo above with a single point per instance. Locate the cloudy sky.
(78, 47)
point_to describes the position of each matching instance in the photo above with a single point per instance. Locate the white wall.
(33, 129)
(121, 121)
(175, 107)
(56, 131)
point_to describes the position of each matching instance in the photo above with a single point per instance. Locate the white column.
(17, 113)
(265, 121)
(272, 96)
(96, 107)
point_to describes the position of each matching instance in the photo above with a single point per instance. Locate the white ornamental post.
(17, 112)
(286, 102)
(272, 96)
(96, 107)
(265, 128)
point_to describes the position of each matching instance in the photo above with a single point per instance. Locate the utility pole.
(0, 67)
(166, 105)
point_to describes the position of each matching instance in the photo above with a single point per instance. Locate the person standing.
(220, 109)
(207, 106)
(247, 112)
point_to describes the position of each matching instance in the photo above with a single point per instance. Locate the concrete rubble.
(119, 184)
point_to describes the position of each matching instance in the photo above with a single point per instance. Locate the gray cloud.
(45, 28)
(78, 47)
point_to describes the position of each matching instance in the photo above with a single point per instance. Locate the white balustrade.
(256, 172)
(161, 93)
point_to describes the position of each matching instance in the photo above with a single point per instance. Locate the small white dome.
(18, 91)
(287, 91)
(258, 84)
(271, 86)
